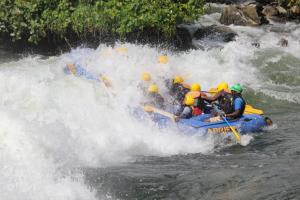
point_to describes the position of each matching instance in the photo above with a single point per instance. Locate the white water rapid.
(53, 124)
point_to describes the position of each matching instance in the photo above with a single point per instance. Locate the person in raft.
(187, 109)
(178, 89)
(154, 98)
(230, 102)
(223, 99)
(199, 104)
(239, 104)
(145, 82)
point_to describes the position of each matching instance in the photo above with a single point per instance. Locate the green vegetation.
(289, 3)
(34, 20)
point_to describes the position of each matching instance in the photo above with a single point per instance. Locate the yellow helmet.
(153, 88)
(222, 86)
(177, 79)
(146, 76)
(163, 59)
(196, 87)
(189, 100)
(122, 49)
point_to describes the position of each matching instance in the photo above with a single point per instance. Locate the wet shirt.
(238, 104)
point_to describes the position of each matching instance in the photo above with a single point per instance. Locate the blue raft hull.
(77, 70)
(196, 125)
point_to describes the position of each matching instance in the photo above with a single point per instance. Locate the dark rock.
(270, 11)
(281, 10)
(184, 36)
(283, 42)
(281, 13)
(195, 36)
(216, 33)
(250, 12)
(294, 12)
(231, 15)
(256, 44)
(243, 15)
(265, 2)
(275, 13)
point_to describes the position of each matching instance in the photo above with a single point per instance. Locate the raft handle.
(247, 119)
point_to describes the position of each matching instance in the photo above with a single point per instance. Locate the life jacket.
(226, 101)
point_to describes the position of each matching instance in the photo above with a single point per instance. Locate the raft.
(248, 123)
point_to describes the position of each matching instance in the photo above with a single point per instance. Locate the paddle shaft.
(236, 134)
(162, 112)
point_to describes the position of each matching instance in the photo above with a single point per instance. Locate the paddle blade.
(212, 91)
(148, 108)
(236, 134)
(250, 110)
(105, 80)
(122, 50)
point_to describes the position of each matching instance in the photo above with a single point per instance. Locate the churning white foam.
(52, 124)
(26, 170)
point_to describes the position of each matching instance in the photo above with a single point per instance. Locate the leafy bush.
(289, 3)
(36, 19)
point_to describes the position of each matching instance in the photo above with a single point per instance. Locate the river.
(64, 137)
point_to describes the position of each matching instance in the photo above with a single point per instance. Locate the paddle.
(250, 110)
(149, 108)
(236, 134)
(106, 84)
(212, 91)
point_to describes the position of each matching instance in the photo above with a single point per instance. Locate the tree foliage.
(289, 3)
(33, 20)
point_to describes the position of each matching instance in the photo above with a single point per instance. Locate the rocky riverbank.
(241, 13)
(255, 14)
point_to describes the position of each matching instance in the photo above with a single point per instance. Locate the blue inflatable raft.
(249, 123)
(198, 125)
